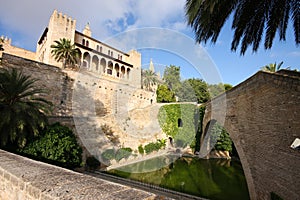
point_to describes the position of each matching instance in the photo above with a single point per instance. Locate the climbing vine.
(178, 121)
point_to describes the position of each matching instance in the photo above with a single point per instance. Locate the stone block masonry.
(262, 117)
(25, 179)
(92, 101)
(56, 82)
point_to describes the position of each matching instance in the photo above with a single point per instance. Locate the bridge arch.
(207, 145)
(262, 116)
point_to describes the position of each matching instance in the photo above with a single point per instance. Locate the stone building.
(96, 56)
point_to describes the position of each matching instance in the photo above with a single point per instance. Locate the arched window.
(87, 43)
(86, 60)
(83, 42)
(117, 70)
(95, 63)
(128, 73)
(111, 54)
(100, 49)
(110, 68)
(103, 65)
(122, 72)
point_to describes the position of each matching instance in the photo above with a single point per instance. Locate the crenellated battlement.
(62, 19)
(5, 40)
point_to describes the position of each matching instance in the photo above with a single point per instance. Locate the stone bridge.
(262, 116)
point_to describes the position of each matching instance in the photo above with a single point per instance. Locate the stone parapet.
(23, 178)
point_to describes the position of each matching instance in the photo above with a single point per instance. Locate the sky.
(156, 28)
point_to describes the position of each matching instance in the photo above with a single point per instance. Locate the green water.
(212, 179)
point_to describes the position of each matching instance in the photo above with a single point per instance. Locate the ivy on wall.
(179, 122)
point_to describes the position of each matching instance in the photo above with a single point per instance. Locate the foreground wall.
(262, 116)
(23, 178)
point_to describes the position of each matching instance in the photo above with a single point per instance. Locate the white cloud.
(294, 53)
(30, 17)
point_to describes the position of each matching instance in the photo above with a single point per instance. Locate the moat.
(213, 179)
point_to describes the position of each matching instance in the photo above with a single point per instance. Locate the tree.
(250, 19)
(1, 45)
(222, 138)
(22, 108)
(186, 92)
(227, 86)
(172, 77)
(64, 51)
(215, 90)
(193, 89)
(164, 94)
(272, 67)
(149, 79)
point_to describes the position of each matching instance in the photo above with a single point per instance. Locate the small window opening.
(180, 124)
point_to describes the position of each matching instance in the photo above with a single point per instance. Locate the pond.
(212, 179)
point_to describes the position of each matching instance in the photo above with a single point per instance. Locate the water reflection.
(213, 179)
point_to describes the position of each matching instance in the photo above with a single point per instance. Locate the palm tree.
(149, 79)
(272, 67)
(249, 20)
(22, 108)
(1, 45)
(65, 52)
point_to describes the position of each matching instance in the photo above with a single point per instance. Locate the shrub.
(108, 154)
(123, 153)
(57, 145)
(141, 149)
(92, 163)
(155, 146)
(107, 130)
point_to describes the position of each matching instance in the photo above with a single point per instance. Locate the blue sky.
(159, 22)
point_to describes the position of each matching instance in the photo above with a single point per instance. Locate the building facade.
(95, 56)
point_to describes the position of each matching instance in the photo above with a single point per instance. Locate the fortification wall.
(57, 83)
(17, 51)
(127, 110)
(23, 178)
(99, 101)
(262, 117)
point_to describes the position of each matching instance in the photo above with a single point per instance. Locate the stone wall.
(17, 51)
(94, 101)
(23, 178)
(262, 116)
(57, 83)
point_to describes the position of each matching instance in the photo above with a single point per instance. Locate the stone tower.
(60, 26)
(151, 66)
(87, 30)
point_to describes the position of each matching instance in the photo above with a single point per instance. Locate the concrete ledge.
(23, 178)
